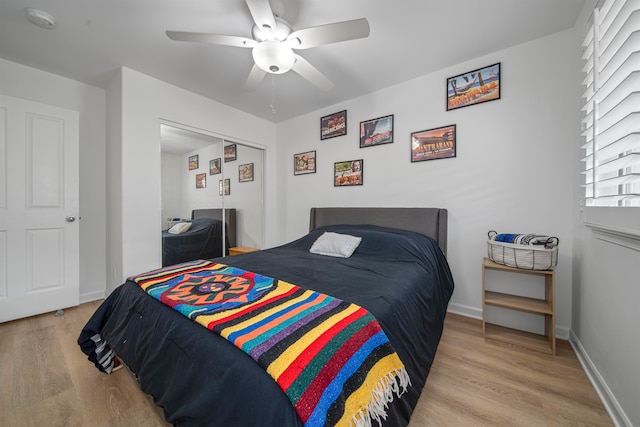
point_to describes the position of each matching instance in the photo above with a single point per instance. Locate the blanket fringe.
(394, 383)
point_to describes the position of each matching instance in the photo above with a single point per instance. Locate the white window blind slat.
(625, 62)
(617, 131)
(615, 24)
(627, 144)
(588, 39)
(611, 110)
(629, 88)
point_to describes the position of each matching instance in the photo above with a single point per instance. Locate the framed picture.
(347, 173)
(437, 143)
(304, 163)
(193, 162)
(474, 87)
(376, 131)
(224, 187)
(333, 125)
(201, 180)
(245, 172)
(230, 153)
(214, 166)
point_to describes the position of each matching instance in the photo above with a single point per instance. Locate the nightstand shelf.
(544, 307)
(237, 250)
(516, 302)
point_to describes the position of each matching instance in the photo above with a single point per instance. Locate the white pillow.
(334, 244)
(180, 228)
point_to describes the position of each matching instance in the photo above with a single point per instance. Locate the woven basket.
(526, 257)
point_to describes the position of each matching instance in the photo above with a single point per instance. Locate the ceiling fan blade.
(263, 16)
(221, 39)
(255, 78)
(311, 73)
(329, 33)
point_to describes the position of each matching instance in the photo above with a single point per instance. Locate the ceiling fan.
(274, 41)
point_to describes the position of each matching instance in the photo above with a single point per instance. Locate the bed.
(396, 273)
(203, 240)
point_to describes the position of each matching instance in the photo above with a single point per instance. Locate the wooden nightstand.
(545, 307)
(237, 250)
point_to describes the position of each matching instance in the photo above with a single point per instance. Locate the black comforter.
(202, 241)
(200, 379)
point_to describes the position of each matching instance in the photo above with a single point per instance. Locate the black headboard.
(230, 220)
(431, 222)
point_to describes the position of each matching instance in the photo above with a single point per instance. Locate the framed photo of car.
(376, 131)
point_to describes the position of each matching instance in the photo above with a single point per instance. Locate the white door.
(39, 230)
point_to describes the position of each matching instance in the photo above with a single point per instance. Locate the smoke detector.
(41, 19)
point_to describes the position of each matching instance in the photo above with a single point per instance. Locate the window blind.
(611, 110)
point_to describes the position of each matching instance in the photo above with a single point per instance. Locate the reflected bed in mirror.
(203, 240)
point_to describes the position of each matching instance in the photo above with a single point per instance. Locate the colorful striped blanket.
(330, 357)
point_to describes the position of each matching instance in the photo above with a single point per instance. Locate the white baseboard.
(610, 402)
(91, 296)
(465, 310)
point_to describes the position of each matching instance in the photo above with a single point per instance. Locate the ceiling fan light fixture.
(273, 57)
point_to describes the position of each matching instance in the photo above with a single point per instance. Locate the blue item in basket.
(524, 239)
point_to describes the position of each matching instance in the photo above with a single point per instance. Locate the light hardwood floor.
(45, 380)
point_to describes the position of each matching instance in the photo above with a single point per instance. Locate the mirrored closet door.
(215, 185)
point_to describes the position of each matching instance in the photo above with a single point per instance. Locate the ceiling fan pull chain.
(273, 94)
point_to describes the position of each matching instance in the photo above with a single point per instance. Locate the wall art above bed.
(431, 144)
(473, 87)
(304, 163)
(214, 166)
(201, 180)
(230, 153)
(224, 187)
(245, 172)
(333, 125)
(193, 162)
(347, 173)
(376, 131)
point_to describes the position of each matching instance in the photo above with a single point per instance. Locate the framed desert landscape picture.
(431, 144)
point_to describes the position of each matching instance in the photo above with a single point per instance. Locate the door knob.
(71, 218)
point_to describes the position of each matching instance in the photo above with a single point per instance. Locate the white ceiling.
(176, 140)
(409, 38)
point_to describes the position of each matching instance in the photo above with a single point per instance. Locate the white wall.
(606, 294)
(172, 168)
(511, 172)
(39, 86)
(144, 102)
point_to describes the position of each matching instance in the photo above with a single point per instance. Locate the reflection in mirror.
(196, 179)
(245, 176)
